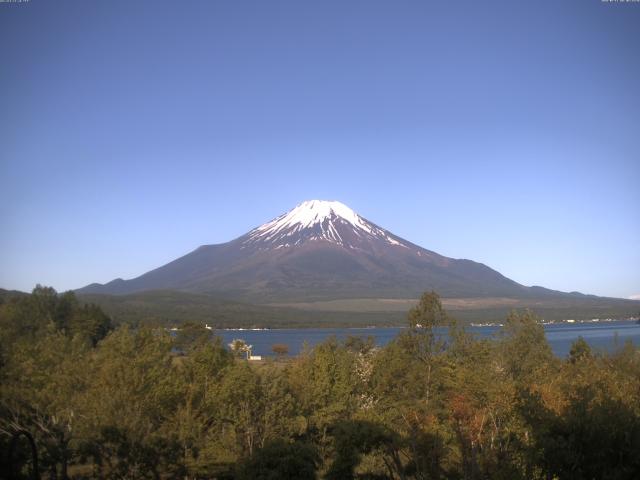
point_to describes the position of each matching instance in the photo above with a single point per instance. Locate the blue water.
(603, 336)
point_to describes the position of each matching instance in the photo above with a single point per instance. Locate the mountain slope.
(171, 308)
(320, 251)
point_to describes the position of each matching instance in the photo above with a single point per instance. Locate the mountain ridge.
(321, 250)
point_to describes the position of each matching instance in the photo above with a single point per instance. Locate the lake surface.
(602, 336)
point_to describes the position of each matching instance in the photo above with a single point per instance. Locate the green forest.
(124, 402)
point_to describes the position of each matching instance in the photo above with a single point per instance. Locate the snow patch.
(327, 214)
(312, 212)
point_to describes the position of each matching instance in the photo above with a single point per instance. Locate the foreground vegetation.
(120, 403)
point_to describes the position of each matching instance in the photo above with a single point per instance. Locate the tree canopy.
(435, 403)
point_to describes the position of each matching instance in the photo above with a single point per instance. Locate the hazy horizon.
(133, 132)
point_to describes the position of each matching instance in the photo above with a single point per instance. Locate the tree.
(281, 416)
(279, 460)
(524, 347)
(240, 347)
(199, 375)
(422, 340)
(191, 336)
(239, 402)
(325, 384)
(360, 345)
(593, 436)
(45, 310)
(132, 392)
(580, 350)
(428, 313)
(43, 395)
(407, 379)
(426, 406)
(90, 323)
(280, 349)
(353, 439)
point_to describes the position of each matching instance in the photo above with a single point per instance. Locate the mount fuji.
(318, 251)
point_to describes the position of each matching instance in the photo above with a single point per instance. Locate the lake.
(601, 336)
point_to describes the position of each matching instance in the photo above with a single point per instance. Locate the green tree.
(428, 312)
(593, 437)
(525, 351)
(192, 336)
(240, 403)
(279, 460)
(195, 417)
(132, 393)
(353, 440)
(45, 310)
(43, 393)
(325, 383)
(580, 350)
(407, 383)
(282, 416)
(423, 341)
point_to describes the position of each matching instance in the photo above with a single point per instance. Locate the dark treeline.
(120, 404)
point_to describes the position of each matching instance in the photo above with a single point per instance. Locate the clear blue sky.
(505, 132)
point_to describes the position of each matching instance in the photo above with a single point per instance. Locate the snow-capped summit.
(311, 212)
(319, 220)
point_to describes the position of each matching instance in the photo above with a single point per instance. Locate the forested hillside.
(137, 403)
